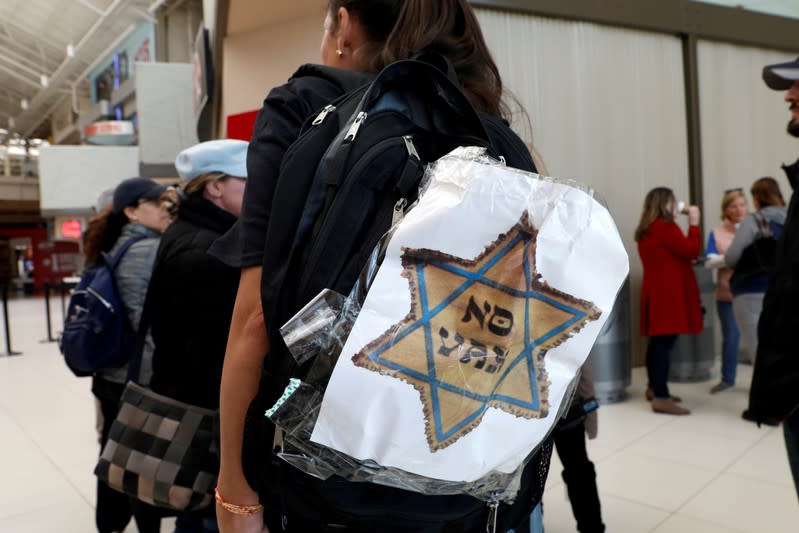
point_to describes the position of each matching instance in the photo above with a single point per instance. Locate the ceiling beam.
(16, 75)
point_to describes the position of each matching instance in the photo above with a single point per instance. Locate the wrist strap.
(246, 510)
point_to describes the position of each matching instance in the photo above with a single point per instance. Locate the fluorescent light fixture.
(70, 50)
(24, 104)
(44, 80)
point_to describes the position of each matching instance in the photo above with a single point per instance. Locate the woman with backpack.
(670, 303)
(359, 36)
(750, 278)
(135, 213)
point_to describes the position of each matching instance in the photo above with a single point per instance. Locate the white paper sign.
(491, 295)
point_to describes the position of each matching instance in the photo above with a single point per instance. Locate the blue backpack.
(97, 334)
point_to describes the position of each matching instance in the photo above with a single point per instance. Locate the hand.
(693, 215)
(234, 523)
(715, 261)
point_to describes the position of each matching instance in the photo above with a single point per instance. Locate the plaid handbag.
(161, 451)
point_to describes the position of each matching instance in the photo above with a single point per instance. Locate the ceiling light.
(70, 50)
(24, 104)
(44, 81)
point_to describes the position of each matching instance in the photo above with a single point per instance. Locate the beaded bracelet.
(246, 510)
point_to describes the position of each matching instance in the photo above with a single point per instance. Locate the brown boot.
(667, 406)
(650, 394)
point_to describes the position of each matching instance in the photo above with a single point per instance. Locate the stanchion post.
(47, 311)
(9, 351)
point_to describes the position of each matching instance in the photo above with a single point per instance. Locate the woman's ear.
(130, 212)
(214, 189)
(349, 35)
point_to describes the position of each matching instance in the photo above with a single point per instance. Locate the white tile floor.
(709, 472)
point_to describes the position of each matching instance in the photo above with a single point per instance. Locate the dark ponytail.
(102, 232)
(399, 29)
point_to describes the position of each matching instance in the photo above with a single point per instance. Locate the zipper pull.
(323, 114)
(353, 131)
(399, 212)
(410, 146)
(491, 524)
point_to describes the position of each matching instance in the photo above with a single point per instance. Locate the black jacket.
(190, 304)
(775, 382)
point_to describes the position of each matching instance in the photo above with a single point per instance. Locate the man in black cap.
(774, 394)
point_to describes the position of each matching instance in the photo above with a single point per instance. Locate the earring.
(339, 52)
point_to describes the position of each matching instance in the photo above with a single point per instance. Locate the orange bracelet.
(246, 510)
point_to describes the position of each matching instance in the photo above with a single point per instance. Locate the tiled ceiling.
(34, 37)
(782, 8)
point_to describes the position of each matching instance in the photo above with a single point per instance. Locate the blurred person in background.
(135, 212)
(749, 284)
(733, 211)
(670, 303)
(191, 296)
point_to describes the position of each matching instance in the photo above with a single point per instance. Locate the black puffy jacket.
(190, 304)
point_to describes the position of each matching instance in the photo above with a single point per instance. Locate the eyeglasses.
(737, 189)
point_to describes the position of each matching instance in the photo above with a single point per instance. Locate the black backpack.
(760, 257)
(355, 167)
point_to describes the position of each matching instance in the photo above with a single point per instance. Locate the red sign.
(71, 229)
(241, 126)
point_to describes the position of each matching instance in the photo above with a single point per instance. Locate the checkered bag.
(161, 451)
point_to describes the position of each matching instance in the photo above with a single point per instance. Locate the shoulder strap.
(764, 228)
(346, 80)
(113, 262)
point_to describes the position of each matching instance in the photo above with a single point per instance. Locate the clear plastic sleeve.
(320, 331)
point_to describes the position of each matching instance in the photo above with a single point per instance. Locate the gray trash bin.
(611, 355)
(693, 355)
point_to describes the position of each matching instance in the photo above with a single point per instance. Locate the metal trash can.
(611, 356)
(693, 355)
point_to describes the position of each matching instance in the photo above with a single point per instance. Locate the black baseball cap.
(781, 76)
(130, 191)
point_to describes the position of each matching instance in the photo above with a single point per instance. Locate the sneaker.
(721, 386)
(768, 421)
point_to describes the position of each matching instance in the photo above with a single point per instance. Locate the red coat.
(670, 302)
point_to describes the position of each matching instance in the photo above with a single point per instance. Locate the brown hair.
(102, 232)
(766, 192)
(399, 29)
(730, 197)
(173, 196)
(655, 206)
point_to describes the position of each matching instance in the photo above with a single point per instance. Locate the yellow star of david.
(476, 334)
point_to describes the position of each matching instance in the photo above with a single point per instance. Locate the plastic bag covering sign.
(491, 294)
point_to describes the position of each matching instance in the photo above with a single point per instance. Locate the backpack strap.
(113, 261)
(764, 229)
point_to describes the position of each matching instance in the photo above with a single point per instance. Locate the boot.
(650, 394)
(667, 406)
(584, 498)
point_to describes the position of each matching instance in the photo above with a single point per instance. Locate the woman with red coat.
(670, 303)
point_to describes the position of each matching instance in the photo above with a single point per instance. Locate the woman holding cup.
(670, 303)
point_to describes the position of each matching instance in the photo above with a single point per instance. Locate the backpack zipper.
(353, 131)
(399, 211)
(491, 524)
(323, 114)
(102, 300)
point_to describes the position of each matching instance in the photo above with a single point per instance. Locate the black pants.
(114, 509)
(658, 360)
(580, 478)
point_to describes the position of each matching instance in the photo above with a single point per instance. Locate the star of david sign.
(476, 334)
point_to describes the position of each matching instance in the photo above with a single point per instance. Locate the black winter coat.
(775, 382)
(190, 304)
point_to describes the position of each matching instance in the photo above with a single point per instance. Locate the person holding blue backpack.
(751, 256)
(132, 224)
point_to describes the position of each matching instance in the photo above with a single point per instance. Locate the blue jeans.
(658, 360)
(790, 429)
(730, 337)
